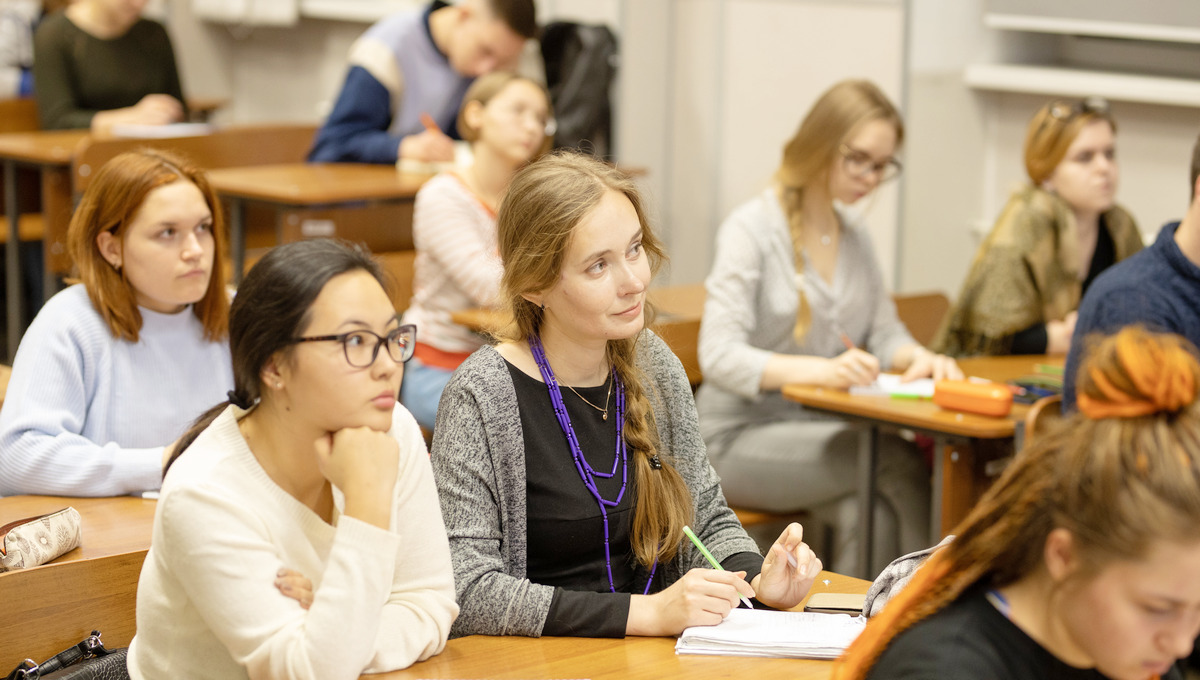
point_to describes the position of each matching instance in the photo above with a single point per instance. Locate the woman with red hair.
(114, 369)
(1084, 558)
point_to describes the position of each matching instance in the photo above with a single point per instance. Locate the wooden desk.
(679, 309)
(925, 417)
(651, 658)
(49, 153)
(53, 606)
(304, 198)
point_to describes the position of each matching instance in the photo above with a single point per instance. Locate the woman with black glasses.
(298, 533)
(795, 296)
(1049, 243)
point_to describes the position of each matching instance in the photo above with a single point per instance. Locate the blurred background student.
(1083, 560)
(18, 19)
(99, 63)
(416, 64)
(1049, 243)
(795, 296)
(298, 533)
(506, 119)
(113, 369)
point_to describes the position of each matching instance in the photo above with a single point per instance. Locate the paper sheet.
(888, 384)
(760, 632)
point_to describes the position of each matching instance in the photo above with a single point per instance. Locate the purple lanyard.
(585, 470)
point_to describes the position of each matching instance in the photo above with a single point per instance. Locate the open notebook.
(759, 632)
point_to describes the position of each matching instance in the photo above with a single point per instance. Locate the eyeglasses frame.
(409, 328)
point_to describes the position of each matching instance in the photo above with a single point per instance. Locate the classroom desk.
(634, 658)
(53, 606)
(302, 194)
(49, 153)
(677, 321)
(924, 417)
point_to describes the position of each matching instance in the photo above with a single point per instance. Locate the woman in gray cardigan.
(565, 508)
(795, 296)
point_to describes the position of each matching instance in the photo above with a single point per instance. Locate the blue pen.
(711, 560)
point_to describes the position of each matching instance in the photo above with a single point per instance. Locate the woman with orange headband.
(1084, 558)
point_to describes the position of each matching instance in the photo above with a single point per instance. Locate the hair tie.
(238, 400)
(655, 463)
(1162, 374)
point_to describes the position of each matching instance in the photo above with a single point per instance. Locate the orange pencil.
(429, 123)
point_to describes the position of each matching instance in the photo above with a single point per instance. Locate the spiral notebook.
(760, 632)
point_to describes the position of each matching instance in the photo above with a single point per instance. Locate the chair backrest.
(19, 115)
(922, 314)
(1042, 416)
(5, 374)
(232, 147)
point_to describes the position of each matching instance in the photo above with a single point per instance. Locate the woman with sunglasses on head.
(1049, 243)
(298, 532)
(795, 296)
(114, 368)
(1083, 560)
(506, 119)
(568, 458)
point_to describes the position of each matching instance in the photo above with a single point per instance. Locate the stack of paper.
(888, 384)
(758, 632)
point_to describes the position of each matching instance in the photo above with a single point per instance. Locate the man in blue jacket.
(408, 74)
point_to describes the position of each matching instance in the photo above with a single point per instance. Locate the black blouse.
(565, 545)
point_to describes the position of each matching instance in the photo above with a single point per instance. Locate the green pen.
(708, 556)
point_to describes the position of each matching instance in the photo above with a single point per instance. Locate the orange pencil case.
(987, 399)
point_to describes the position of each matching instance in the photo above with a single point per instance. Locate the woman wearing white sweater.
(298, 533)
(112, 370)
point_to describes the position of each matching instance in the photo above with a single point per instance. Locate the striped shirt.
(458, 265)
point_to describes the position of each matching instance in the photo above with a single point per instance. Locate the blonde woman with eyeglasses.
(1049, 243)
(508, 121)
(795, 296)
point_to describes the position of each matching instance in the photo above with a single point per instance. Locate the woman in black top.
(1083, 561)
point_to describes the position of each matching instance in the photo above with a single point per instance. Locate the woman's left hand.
(293, 584)
(782, 583)
(926, 364)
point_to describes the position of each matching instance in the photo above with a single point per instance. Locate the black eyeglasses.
(362, 347)
(859, 163)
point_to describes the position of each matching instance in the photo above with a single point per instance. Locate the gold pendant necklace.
(606, 398)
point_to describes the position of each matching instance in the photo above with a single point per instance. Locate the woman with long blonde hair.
(795, 296)
(568, 457)
(1084, 556)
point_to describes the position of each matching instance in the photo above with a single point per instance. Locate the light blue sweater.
(87, 414)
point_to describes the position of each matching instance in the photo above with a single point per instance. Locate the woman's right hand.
(852, 367)
(1059, 333)
(703, 597)
(363, 463)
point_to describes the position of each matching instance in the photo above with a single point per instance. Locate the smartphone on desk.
(836, 603)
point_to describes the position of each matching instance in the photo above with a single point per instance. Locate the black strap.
(90, 647)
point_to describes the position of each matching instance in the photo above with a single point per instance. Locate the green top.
(76, 74)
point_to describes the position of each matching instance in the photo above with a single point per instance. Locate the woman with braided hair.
(1083, 561)
(568, 458)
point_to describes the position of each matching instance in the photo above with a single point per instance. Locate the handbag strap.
(90, 647)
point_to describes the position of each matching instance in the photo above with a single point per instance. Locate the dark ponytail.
(271, 308)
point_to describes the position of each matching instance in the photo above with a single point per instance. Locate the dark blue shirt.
(1158, 288)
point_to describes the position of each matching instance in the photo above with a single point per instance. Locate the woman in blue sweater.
(113, 369)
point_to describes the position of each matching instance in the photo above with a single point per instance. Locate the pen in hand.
(711, 560)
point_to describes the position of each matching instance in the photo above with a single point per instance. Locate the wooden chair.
(1042, 417)
(922, 314)
(19, 115)
(54, 606)
(5, 374)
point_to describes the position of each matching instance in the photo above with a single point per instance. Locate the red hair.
(111, 202)
(1116, 483)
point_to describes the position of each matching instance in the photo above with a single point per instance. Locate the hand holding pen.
(852, 367)
(430, 145)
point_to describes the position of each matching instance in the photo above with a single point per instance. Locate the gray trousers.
(812, 465)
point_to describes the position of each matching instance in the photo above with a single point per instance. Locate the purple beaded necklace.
(586, 472)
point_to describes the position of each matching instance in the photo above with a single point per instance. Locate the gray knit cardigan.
(479, 464)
